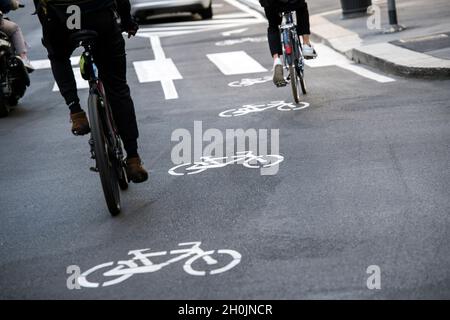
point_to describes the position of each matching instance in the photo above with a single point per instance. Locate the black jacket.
(85, 5)
(123, 7)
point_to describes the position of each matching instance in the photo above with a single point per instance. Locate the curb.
(432, 73)
(348, 43)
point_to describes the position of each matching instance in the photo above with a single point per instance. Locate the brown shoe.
(80, 123)
(135, 171)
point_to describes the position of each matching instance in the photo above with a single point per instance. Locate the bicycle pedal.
(280, 85)
(93, 169)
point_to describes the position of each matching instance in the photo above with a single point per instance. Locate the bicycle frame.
(96, 87)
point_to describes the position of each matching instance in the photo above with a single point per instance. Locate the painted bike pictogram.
(252, 108)
(247, 158)
(219, 261)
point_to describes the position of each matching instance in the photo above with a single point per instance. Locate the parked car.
(142, 9)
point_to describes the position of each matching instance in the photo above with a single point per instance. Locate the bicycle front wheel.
(106, 170)
(295, 85)
(301, 78)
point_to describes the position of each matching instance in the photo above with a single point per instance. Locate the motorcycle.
(14, 78)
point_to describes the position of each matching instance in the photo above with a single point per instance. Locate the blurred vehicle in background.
(142, 9)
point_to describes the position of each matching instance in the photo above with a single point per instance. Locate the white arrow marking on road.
(235, 62)
(228, 33)
(160, 69)
(328, 57)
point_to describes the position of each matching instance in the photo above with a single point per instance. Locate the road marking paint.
(81, 83)
(181, 28)
(246, 9)
(246, 82)
(231, 15)
(157, 48)
(329, 57)
(139, 262)
(252, 108)
(235, 62)
(366, 73)
(230, 42)
(45, 63)
(228, 33)
(246, 158)
(160, 69)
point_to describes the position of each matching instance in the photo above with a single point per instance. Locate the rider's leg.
(273, 35)
(59, 49)
(303, 29)
(13, 30)
(111, 62)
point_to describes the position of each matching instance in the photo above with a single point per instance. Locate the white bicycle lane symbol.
(252, 108)
(140, 263)
(247, 158)
(247, 82)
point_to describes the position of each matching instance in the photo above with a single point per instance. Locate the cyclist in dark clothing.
(109, 52)
(272, 9)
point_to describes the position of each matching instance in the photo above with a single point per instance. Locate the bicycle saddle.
(83, 36)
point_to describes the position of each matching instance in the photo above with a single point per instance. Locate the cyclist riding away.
(13, 30)
(272, 9)
(109, 53)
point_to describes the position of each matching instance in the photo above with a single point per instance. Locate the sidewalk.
(421, 51)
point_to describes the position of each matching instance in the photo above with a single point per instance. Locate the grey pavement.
(365, 181)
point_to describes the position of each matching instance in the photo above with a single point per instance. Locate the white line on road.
(229, 33)
(329, 57)
(246, 9)
(157, 48)
(231, 15)
(235, 62)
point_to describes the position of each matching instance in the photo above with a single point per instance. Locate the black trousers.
(273, 14)
(110, 58)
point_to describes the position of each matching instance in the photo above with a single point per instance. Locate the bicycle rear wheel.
(103, 156)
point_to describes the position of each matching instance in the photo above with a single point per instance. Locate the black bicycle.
(105, 143)
(294, 61)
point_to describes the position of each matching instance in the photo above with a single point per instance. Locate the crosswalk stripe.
(45, 63)
(235, 62)
(81, 83)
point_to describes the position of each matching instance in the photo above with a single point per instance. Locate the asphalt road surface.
(365, 179)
